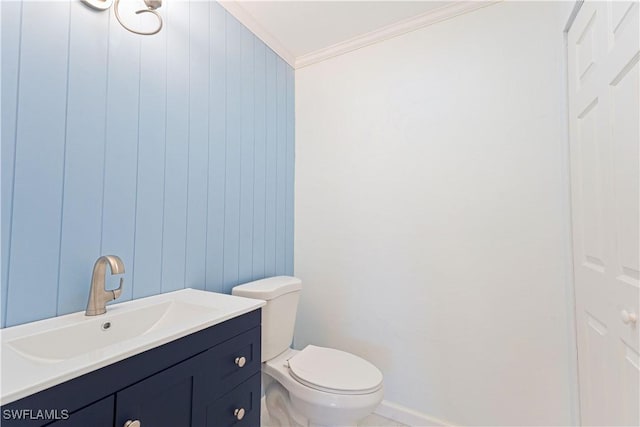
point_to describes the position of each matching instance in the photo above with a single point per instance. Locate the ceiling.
(303, 27)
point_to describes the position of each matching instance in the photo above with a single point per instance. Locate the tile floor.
(375, 420)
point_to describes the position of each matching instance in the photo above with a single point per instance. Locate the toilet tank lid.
(268, 288)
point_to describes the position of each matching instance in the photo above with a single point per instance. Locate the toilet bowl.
(316, 386)
(324, 399)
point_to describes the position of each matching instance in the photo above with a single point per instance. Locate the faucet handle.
(118, 291)
(99, 295)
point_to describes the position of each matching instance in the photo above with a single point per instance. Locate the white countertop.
(25, 374)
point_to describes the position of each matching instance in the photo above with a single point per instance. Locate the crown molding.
(246, 19)
(390, 31)
(430, 17)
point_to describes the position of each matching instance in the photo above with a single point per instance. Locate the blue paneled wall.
(173, 151)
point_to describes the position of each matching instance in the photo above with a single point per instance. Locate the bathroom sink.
(41, 354)
(97, 332)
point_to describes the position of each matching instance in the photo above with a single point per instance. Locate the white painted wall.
(431, 215)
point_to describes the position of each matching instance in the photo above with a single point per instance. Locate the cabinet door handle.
(134, 423)
(240, 361)
(238, 413)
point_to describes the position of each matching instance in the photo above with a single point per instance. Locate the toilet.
(315, 386)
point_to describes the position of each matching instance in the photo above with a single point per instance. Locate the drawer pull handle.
(239, 413)
(240, 361)
(134, 423)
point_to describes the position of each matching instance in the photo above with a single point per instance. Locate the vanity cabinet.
(208, 378)
(99, 414)
(184, 394)
(224, 411)
(164, 399)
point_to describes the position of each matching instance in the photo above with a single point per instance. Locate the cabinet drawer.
(162, 400)
(99, 414)
(239, 408)
(233, 362)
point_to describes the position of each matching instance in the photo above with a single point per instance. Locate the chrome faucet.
(99, 296)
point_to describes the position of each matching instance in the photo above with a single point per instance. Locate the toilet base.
(267, 421)
(280, 413)
(277, 410)
(291, 403)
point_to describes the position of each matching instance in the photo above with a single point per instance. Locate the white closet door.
(604, 115)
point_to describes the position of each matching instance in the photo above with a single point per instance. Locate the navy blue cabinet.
(239, 408)
(164, 400)
(99, 414)
(209, 378)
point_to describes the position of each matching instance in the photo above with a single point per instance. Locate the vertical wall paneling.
(271, 166)
(84, 156)
(233, 135)
(176, 156)
(217, 147)
(290, 172)
(260, 171)
(152, 116)
(198, 145)
(121, 150)
(39, 163)
(10, 37)
(245, 244)
(172, 151)
(281, 134)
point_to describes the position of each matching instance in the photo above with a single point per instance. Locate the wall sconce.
(152, 5)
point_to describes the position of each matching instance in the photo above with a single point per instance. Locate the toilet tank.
(279, 315)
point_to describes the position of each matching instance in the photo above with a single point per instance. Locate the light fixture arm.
(152, 5)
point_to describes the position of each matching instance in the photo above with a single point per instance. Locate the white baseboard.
(408, 416)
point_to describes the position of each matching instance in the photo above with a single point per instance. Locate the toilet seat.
(334, 371)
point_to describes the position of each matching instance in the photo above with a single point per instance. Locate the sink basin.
(98, 332)
(39, 355)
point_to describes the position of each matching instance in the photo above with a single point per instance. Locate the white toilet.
(316, 385)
